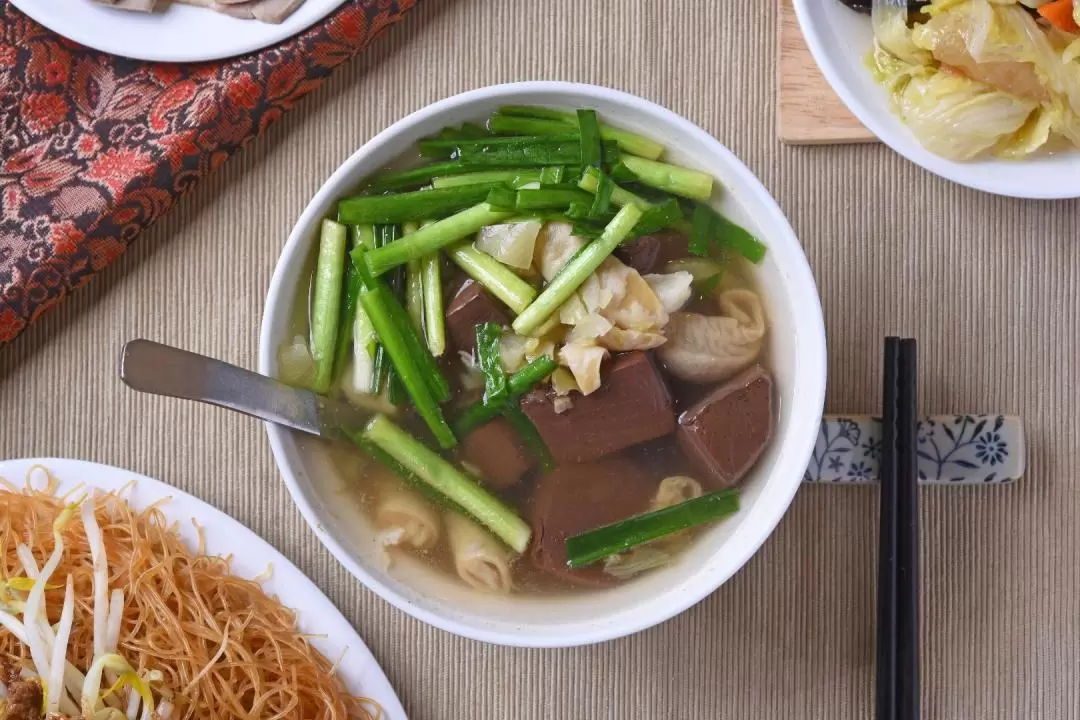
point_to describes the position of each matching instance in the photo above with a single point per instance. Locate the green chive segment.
(500, 280)
(670, 178)
(592, 147)
(488, 358)
(433, 237)
(575, 272)
(429, 467)
(531, 120)
(520, 383)
(326, 305)
(588, 547)
(412, 206)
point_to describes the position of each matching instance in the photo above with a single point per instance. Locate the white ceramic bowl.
(840, 38)
(798, 360)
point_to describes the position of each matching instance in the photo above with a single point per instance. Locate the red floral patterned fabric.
(95, 148)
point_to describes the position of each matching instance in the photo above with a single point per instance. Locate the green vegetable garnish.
(670, 178)
(602, 199)
(555, 150)
(411, 206)
(496, 387)
(700, 231)
(552, 175)
(488, 145)
(592, 148)
(433, 237)
(711, 232)
(549, 198)
(363, 235)
(658, 217)
(434, 316)
(520, 383)
(326, 304)
(415, 368)
(526, 119)
(739, 239)
(414, 284)
(432, 469)
(591, 179)
(500, 280)
(502, 198)
(418, 176)
(574, 273)
(515, 177)
(534, 443)
(588, 547)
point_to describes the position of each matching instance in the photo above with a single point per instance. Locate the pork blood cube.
(724, 434)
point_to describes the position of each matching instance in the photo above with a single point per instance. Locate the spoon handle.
(158, 369)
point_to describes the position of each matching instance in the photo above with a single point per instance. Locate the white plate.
(839, 39)
(177, 33)
(316, 615)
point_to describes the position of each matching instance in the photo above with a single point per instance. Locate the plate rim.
(211, 518)
(953, 171)
(181, 53)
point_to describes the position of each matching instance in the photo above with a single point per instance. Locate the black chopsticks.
(898, 571)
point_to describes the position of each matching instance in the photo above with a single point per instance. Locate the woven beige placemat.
(988, 286)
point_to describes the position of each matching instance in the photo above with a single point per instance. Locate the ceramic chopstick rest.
(952, 450)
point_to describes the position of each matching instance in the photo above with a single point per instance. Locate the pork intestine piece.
(675, 489)
(712, 348)
(404, 519)
(480, 560)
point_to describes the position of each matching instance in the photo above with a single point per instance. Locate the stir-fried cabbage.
(616, 309)
(516, 351)
(555, 245)
(891, 32)
(584, 359)
(562, 382)
(960, 118)
(1072, 51)
(984, 77)
(622, 311)
(672, 289)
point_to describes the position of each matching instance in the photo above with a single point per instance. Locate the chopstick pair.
(898, 571)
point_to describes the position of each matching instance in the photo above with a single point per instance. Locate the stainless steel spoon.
(954, 449)
(158, 369)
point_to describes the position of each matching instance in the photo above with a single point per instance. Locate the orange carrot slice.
(1060, 14)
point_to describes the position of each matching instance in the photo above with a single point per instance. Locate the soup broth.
(586, 432)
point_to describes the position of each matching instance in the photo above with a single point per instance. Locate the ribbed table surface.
(987, 285)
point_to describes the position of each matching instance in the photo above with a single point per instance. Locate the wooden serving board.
(810, 113)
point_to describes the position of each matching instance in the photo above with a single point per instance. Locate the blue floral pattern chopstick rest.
(952, 449)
